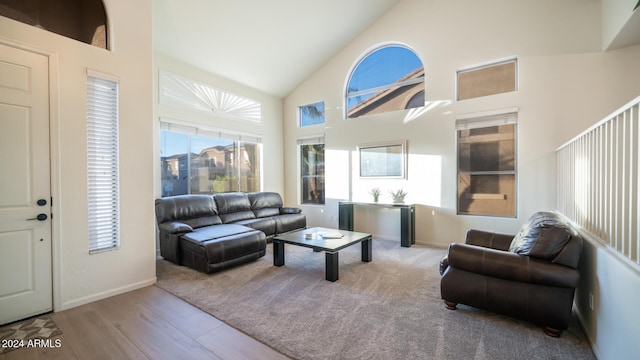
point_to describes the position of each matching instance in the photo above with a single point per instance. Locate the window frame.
(387, 87)
(377, 151)
(311, 105)
(493, 64)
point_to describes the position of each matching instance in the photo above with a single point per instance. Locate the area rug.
(15, 336)
(389, 308)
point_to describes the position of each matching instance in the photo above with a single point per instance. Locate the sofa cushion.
(266, 225)
(289, 222)
(203, 221)
(543, 236)
(237, 216)
(224, 252)
(233, 207)
(235, 246)
(183, 207)
(207, 233)
(265, 204)
(231, 202)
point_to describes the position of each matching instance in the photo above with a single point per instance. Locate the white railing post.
(598, 173)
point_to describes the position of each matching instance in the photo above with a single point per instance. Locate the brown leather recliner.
(531, 276)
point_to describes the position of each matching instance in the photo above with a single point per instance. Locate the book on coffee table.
(331, 235)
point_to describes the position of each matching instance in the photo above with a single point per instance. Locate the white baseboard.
(105, 294)
(592, 344)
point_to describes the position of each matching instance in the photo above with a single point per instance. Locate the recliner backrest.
(233, 207)
(194, 210)
(265, 204)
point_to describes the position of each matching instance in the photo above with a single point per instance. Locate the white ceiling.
(270, 45)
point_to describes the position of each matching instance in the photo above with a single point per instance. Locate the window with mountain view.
(386, 79)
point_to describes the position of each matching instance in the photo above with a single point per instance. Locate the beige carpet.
(389, 308)
(27, 333)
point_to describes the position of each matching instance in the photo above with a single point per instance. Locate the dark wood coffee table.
(317, 242)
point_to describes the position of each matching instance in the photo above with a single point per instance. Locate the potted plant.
(375, 192)
(221, 184)
(398, 196)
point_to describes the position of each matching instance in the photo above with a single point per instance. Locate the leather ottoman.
(214, 248)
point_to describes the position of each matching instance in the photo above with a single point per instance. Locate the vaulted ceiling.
(269, 45)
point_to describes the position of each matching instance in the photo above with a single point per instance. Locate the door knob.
(40, 217)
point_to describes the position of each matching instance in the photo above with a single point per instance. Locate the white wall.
(448, 35)
(79, 277)
(614, 282)
(270, 129)
(566, 84)
(620, 24)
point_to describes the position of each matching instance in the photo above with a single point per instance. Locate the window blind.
(311, 140)
(189, 129)
(189, 94)
(102, 162)
(487, 119)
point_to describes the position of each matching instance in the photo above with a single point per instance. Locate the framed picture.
(383, 160)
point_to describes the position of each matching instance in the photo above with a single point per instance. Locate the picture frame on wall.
(383, 160)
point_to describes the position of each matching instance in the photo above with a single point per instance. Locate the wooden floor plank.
(92, 336)
(147, 323)
(231, 344)
(184, 316)
(154, 336)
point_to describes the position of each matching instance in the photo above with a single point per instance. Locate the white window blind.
(102, 162)
(488, 118)
(193, 129)
(311, 140)
(189, 94)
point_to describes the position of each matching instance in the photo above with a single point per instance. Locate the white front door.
(25, 192)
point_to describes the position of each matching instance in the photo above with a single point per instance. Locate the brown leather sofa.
(210, 233)
(531, 276)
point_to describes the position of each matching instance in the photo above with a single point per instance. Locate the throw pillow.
(543, 236)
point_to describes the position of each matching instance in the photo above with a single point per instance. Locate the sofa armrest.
(290, 210)
(175, 227)
(170, 233)
(489, 239)
(509, 266)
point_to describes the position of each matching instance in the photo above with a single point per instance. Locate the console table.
(407, 218)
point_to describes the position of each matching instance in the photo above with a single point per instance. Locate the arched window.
(82, 20)
(386, 79)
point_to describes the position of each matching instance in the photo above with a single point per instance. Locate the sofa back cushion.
(265, 204)
(543, 236)
(194, 210)
(233, 207)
